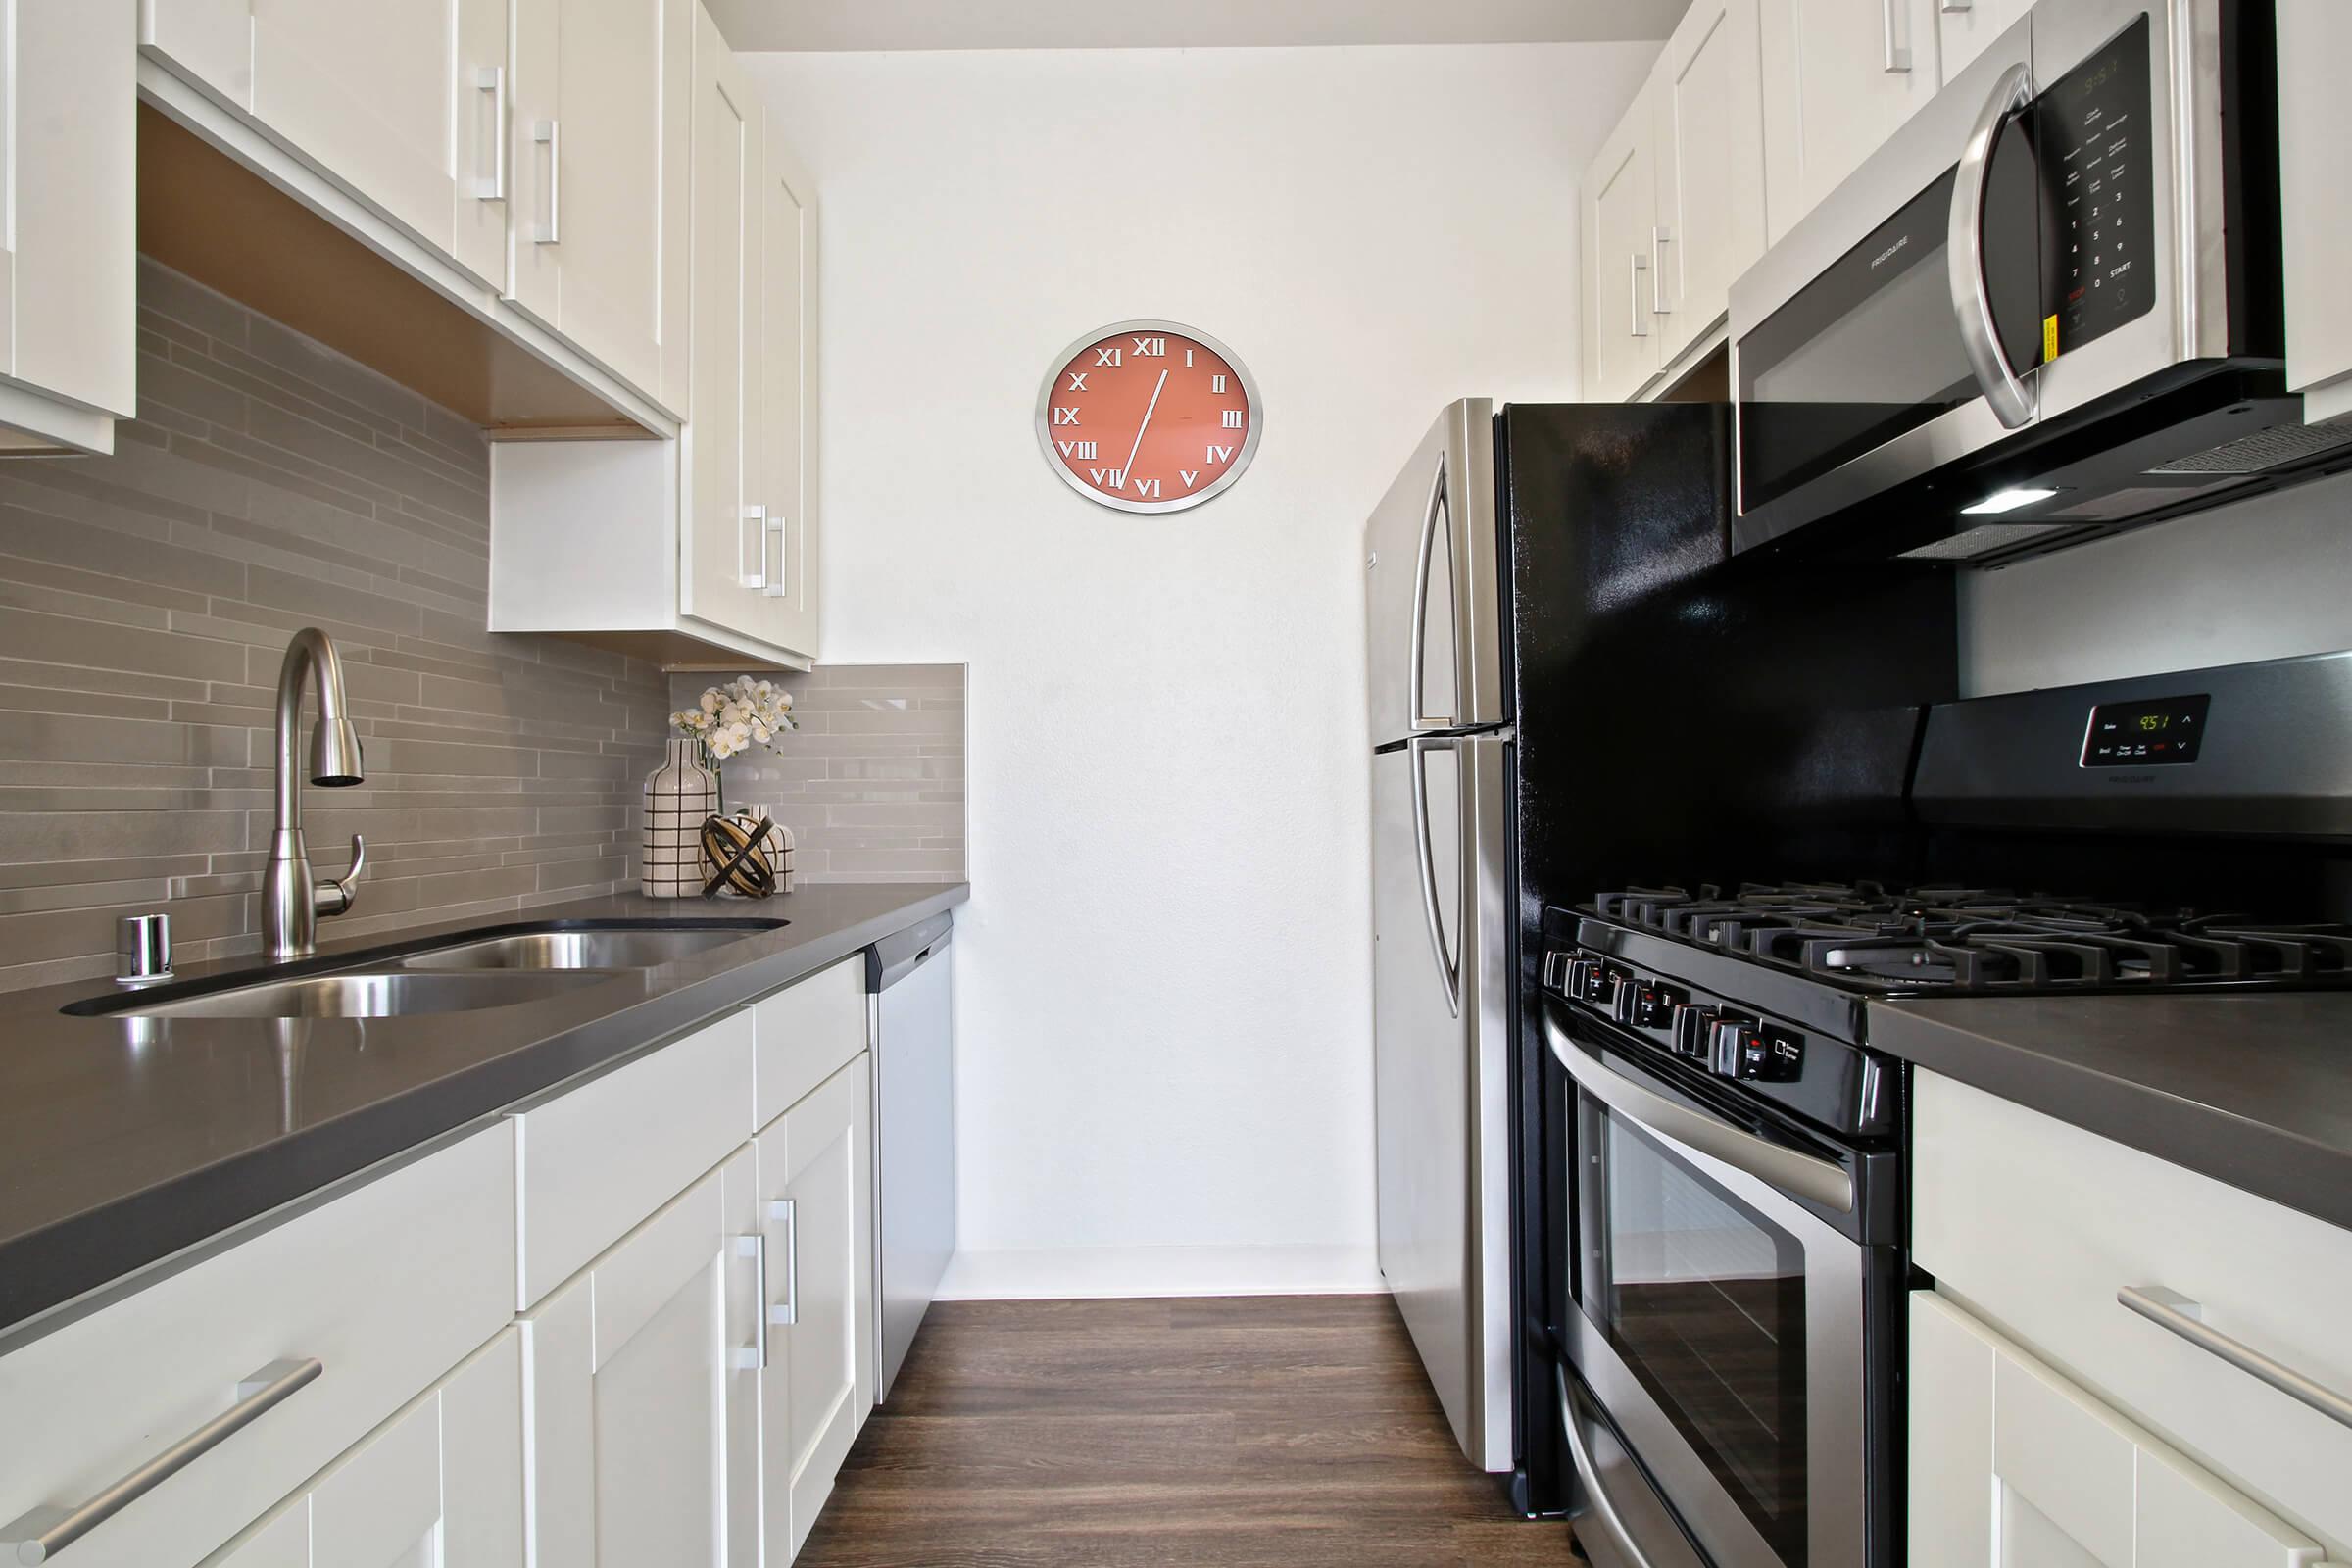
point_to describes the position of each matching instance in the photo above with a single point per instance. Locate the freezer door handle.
(1420, 717)
(1450, 964)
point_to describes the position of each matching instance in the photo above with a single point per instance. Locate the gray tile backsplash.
(872, 784)
(146, 599)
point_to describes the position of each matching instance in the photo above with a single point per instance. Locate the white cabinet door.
(1620, 215)
(2314, 121)
(2012, 1464)
(398, 101)
(1839, 76)
(627, 1370)
(602, 98)
(784, 359)
(725, 543)
(1709, 98)
(1965, 28)
(438, 1486)
(68, 223)
(816, 1184)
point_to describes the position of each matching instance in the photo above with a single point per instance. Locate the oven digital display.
(2151, 734)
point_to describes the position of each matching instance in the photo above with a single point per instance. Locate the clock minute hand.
(1128, 472)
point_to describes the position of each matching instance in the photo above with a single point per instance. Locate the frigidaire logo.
(1878, 259)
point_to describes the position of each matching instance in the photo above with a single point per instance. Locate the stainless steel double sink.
(467, 972)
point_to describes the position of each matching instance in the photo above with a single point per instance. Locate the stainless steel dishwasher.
(911, 986)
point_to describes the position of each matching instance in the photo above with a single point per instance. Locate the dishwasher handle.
(895, 957)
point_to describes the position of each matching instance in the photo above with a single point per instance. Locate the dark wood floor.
(1289, 1430)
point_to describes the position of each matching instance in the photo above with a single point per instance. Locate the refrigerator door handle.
(1449, 968)
(1414, 694)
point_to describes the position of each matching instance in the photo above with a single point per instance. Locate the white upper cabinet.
(68, 224)
(1621, 284)
(600, 136)
(1709, 97)
(2314, 124)
(785, 362)
(401, 103)
(724, 542)
(1965, 28)
(1840, 77)
(2015, 1466)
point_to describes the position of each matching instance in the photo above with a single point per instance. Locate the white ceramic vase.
(678, 796)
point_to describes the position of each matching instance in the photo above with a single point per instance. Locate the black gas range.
(1735, 1279)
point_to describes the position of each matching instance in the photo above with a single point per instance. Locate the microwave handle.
(2011, 399)
(1823, 1181)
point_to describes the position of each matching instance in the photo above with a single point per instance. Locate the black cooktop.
(1889, 940)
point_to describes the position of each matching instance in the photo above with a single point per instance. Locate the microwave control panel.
(2098, 189)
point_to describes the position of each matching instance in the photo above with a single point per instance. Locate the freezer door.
(1434, 590)
(1441, 1067)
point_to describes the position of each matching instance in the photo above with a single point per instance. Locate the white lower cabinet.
(2013, 1465)
(629, 1374)
(438, 1486)
(817, 1186)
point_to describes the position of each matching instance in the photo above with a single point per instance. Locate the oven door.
(1718, 1314)
(2003, 261)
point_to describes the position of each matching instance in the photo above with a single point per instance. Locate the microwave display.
(2098, 194)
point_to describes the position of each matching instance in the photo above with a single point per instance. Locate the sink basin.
(365, 995)
(540, 950)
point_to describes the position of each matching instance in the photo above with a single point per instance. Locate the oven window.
(1706, 1300)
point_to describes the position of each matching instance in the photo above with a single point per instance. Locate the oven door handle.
(2012, 401)
(1822, 1181)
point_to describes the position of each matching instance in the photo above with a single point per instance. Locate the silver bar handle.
(43, 1534)
(1803, 1175)
(549, 133)
(2012, 401)
(1604, 1507)
(2177, 1315)
(492, 79)
(1418, 642)
(1952, 8)
(1449, 968)
(1659, 238)
(758, 514)
(1640, 325)
(754, 1356)
(1897, 54)
(778, 573)
(785, 1211)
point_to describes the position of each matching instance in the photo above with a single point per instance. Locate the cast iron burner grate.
(1984, 939)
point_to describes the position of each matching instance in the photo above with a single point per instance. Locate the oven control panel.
(1705, 1031)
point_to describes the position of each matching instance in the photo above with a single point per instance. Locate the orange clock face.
(1149, 417)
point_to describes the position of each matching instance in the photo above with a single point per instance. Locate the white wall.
(1163, 986)
(2262, 579)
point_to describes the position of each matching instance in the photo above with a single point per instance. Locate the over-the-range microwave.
(2047, 309)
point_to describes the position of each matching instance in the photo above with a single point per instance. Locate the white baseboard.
(1075, 1273)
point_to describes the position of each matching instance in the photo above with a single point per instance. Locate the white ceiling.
(750, 24)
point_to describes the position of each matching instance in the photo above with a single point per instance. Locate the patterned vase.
(678, 796)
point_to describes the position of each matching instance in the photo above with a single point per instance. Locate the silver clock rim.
(1208, 492)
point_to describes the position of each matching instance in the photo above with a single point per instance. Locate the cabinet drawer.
(597, 1159)
(807, 1031)
(2036, 1225)
(386, 1287)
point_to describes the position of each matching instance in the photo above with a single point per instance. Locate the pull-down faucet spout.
(291, 902)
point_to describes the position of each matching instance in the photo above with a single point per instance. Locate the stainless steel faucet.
(291, 902)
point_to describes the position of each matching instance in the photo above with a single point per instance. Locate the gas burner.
(1871, 938)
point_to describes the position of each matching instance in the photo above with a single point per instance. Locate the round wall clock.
(1149, 417)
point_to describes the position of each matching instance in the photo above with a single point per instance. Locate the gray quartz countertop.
(2252, 1089)
(123, 1142)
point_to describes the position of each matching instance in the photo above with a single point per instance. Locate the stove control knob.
(1583, 978)
(1691, 1023)
(1653, 1006)
(1625, 998)
(1730, 1041)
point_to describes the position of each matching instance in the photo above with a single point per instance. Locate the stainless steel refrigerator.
(1441, 874)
